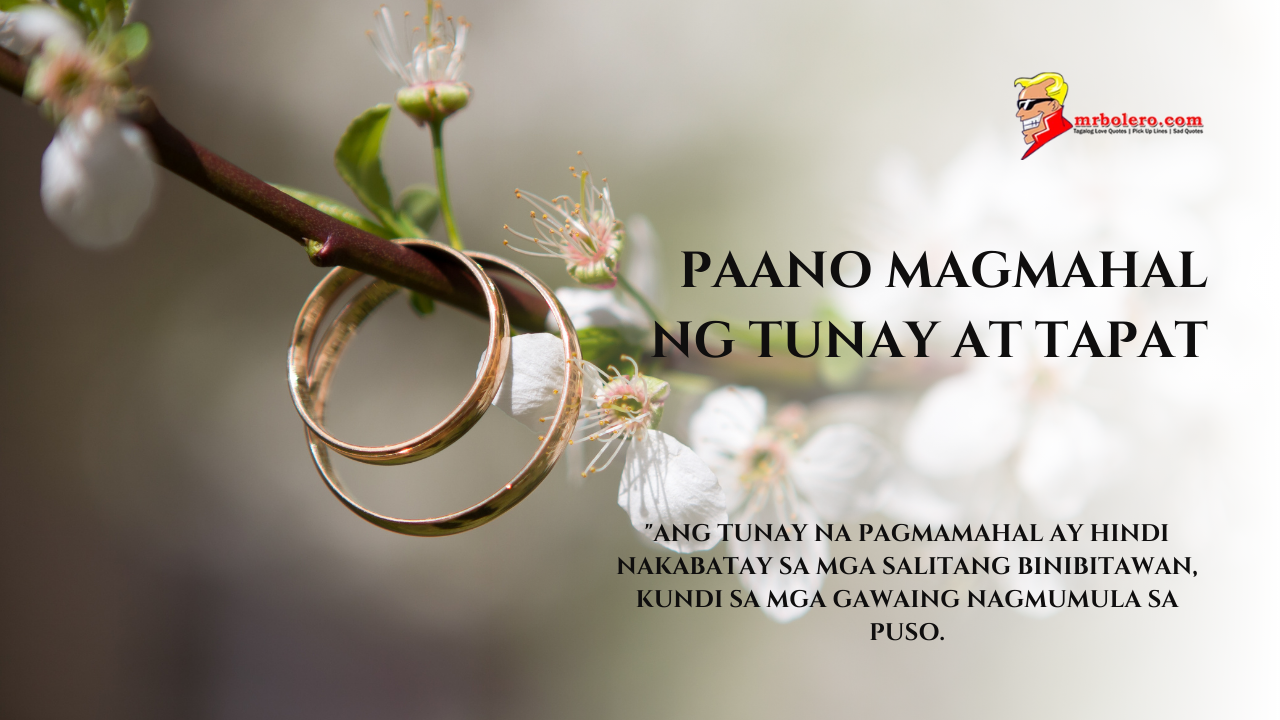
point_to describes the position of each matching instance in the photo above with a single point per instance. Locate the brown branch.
(13, 72)
(339, 243)
(342, 244)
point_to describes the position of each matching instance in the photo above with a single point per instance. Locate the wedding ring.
(558, 436)
(448, 430)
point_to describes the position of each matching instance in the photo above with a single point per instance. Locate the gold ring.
(551, 447)
(448, 430)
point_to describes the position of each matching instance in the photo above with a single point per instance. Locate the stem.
(329, 242)
(442, 183)
(629, 289)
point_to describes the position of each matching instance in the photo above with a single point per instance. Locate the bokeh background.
(168, 551)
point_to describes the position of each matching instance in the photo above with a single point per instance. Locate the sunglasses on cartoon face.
(1028, 104)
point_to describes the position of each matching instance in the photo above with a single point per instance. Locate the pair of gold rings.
(312, 365)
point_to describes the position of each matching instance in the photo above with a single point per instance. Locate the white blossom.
(431, 69)
(663, 482)
(1012, 434)
(643, 260)
(586, 235)
(770, 478)
(596, 308)
(1024, 417)
(97, 176)
(26, 29)
(436, 59)
(97, 179)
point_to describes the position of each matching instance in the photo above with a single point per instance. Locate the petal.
(594, 308)
(24, 30)
(833, 465)
(390, 33)
(724, 426)
(809, 550)
(97, 179)
(453, 71)
(1063, 459)
(964, 424)
(9, 38)
(535, 372)
(644, 258)
(593, 380)
(665, 483)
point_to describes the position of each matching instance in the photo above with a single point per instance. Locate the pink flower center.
(765, 461)
(72, 83)
(594, 249)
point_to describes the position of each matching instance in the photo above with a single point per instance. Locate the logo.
(1126, 124)
(1040, 109)
(1043, 118)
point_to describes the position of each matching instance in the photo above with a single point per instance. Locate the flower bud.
(433, 102)
(97, 178)
(594, 272)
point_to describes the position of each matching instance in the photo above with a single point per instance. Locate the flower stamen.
(585, 234)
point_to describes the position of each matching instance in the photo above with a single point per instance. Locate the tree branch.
(338, 243)
(13, 72)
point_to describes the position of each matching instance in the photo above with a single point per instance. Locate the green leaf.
(360, 165)
(605, 346)
(96, 15)
(82, 12)
(113, 15)
(424, 305)
(335, 209)
(131, 42)
(7, 5)
(420, 204)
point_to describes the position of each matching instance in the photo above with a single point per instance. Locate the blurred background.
(168, 551)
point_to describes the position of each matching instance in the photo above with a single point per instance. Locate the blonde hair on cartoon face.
(1057, 91)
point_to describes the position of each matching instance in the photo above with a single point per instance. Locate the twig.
(330, 242)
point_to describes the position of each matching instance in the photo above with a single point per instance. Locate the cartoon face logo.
(1040, 109)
